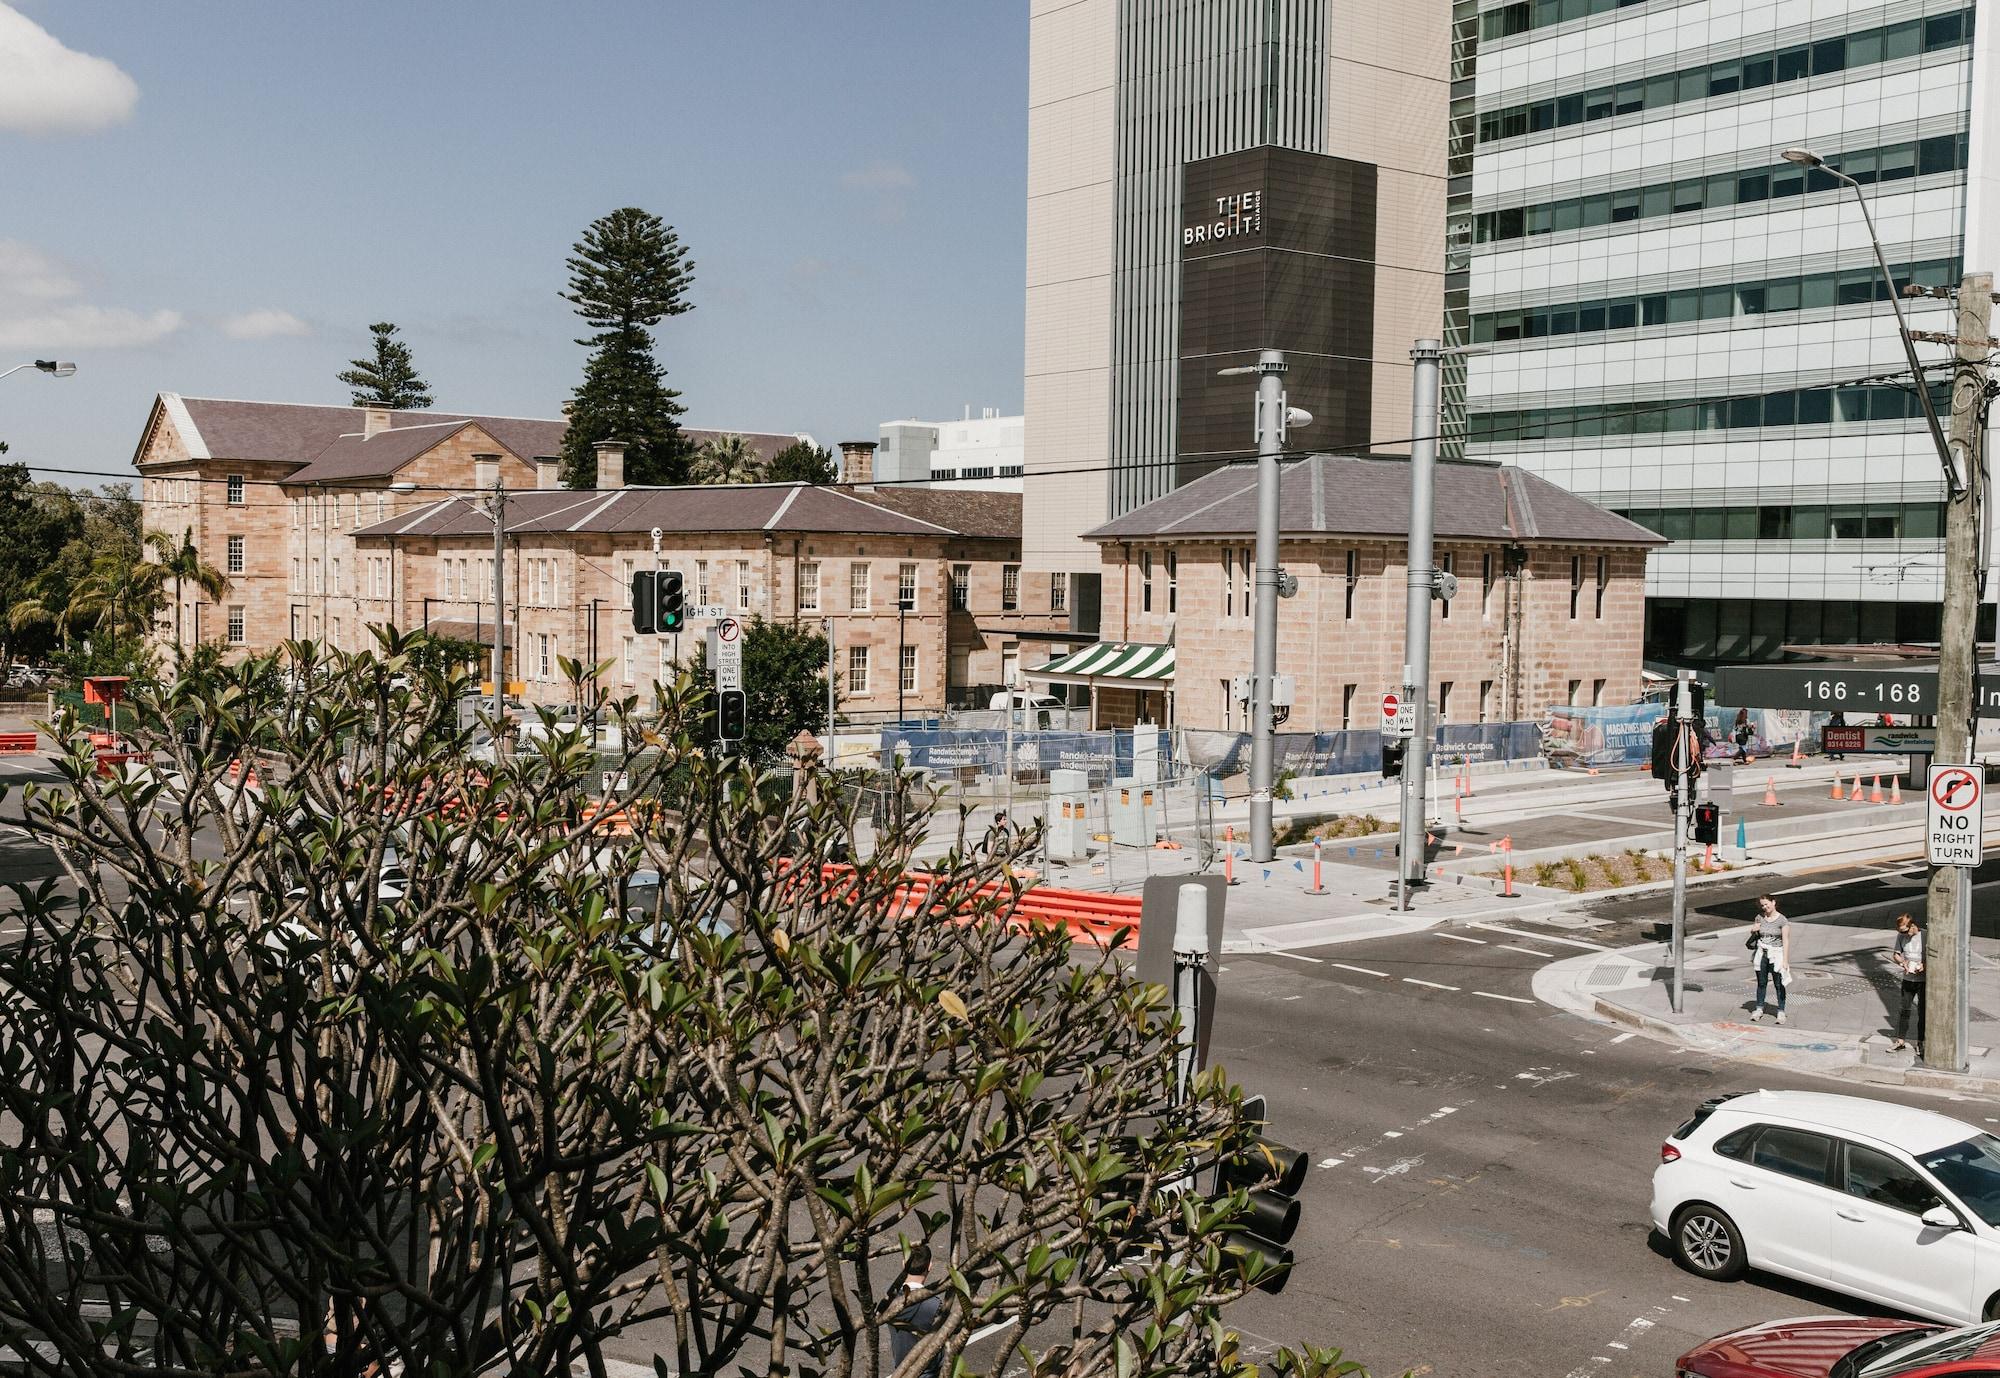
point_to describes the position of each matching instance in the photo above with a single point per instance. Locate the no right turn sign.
(1955, 815)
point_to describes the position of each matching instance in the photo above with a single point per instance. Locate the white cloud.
(46, 88)
(267, 323)
(39, 309)
(78, 326)
(879, 176)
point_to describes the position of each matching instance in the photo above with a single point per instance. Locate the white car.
(1897, 1206)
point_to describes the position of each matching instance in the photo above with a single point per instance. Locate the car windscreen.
(1934, 1348)
(1971, 1172)
(1881, 1349)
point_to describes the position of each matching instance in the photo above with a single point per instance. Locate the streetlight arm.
(1955, 487)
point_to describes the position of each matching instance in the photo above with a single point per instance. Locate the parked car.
(1898, 1206)
(1846, 1347)
(1023, 699)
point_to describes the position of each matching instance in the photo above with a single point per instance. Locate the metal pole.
(1008, 788)
(1683, 791)
(1264, 652)
(325, 568)
(1421, 581)
(499, 603)
(827, 622)
(1190, 955)
(902, 609)
(1948, 903)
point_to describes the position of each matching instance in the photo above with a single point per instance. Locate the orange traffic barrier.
(1317, 888)
(1770, 792)
(1468, 779)
(1797, 742)
(1507, 872)
(1875, 795)
(1458, 807)
(1229, 856)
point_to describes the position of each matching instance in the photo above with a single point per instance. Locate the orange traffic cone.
(1836, 785)
(1854, 795)
(1770, 792)
(1875, 794)
(1895, 789)
(1797, 742)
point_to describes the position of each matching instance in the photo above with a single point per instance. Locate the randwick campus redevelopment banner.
(1624, 735)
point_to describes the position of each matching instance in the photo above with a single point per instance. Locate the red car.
(1847, 1347)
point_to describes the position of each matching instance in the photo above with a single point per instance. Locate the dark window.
(1794, 64)
(1623, 315)
(1653, 310)
(1598, 105)
(1757, 72)
(1736, 1143)
(1687, 196)
(1755, 186)
(1746, 411)
(1780, 408)
(1829, 55)
(1815, 407)
(1724, 77)
(1750, 300)
(1774, 523)
(1590, 317)
(1783, 184)
(1942, 31)
(1569, 109)
(1937, 154)
(1877, 1177)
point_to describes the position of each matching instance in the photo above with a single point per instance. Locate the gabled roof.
(691, 509)
(327, 442)
(968, 511)
(1336, 496)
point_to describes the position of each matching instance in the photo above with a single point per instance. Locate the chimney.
(857, 461)
(548, 471)
(485, 472)
(375, 420)
(610, 463)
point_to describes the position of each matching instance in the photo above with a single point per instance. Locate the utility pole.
(1682, 794)
(827, 622)
(1948, 899)
(1422, 587)
(1264, 651)
(499, 604)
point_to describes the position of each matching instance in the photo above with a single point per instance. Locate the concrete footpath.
(1840, 1011)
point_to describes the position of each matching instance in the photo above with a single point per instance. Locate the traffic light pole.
(1421, 581)
(1264, 647)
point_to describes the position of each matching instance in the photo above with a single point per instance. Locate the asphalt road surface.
(1482, 1163)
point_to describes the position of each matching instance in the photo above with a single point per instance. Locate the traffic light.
(672, 601)
(1663, 751)
(1271, 1175)
(732, 714)
(1708, 822)
(645, 601)
(1392, 757)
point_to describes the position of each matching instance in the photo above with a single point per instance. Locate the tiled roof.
(692, 509)
(327, 441)
(970, 512)
(1371, 497)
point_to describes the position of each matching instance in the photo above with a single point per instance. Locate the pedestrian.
(1908, 954)
(1839, 719)
(918, 1318)
(1770, 943)
(1741, 734)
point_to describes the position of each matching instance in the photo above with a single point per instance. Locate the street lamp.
(55, 368)
(1806, 158)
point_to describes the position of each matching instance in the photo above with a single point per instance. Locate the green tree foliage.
(390, 378)
(726, 459)
(803, 462)
(269, 1115)
(181, 563)
(44, 531)
(627, 274)
(784, 680)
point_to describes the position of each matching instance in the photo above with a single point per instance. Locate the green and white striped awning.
(1125, 661)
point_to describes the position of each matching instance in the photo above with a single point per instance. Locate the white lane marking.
(1365, 971)
(1622, 1037)
(1413, 981)
(1331, 1162)
(1446, 1110)
(1294, 997)
(1395, 1169)
(1392, 1133)
(1519, 1000)
(1460, 938)
(1539, 937)
(1274, 952)
(1531, 951)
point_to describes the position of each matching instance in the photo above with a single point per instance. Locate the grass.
(1605, 871)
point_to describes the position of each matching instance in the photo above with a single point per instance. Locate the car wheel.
(1707, 1244)
(1992, 1312)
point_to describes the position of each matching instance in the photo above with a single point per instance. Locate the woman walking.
(1909, 955)
(1741, 734)
(1771, 946)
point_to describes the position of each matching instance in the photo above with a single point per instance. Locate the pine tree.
(390, 378)
(627, 274)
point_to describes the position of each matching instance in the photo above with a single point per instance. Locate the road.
(1482, 1163)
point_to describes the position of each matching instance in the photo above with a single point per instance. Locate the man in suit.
(918, 1319)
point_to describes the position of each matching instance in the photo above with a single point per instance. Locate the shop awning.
(1116, 662)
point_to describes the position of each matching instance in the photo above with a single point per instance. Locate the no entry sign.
(1955, 815)
(1399, 716)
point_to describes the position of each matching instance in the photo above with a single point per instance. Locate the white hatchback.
(1898, 1206)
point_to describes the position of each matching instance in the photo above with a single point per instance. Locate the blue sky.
(216, 199)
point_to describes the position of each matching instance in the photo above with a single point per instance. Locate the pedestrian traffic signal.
(1663, 751)
(645, 601)
(672, 601)
(1271, 1175)
(1392, 757)
(1707, 822)
(732, 714)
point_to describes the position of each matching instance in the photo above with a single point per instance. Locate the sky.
(216, 199)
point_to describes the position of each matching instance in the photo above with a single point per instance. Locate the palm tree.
(726, 459)
(119, 595)
(182, 563)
